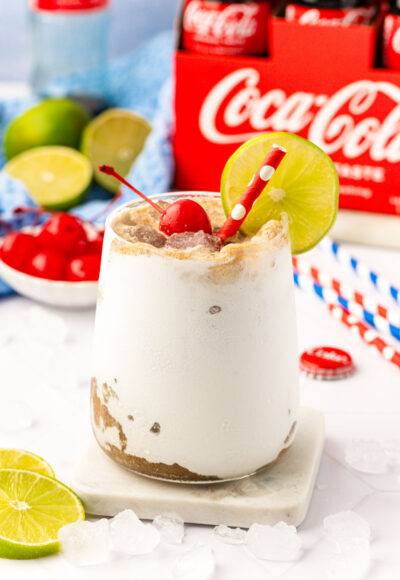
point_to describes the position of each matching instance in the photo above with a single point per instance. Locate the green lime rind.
(51, 122)
(305, 187)
(57, 178)
(115, 137)
(33, 508)
(21, 459)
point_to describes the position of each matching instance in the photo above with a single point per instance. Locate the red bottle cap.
(326, 362)
(67, 5)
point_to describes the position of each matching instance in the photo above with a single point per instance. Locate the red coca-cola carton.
(319, 82)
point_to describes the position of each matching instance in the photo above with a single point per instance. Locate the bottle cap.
(326, 362)
(67, 5)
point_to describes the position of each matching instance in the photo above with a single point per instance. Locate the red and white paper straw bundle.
(324, 285)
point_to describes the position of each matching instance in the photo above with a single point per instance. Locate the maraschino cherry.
(62, 233)
(47, 264)
(183, 215)
(84, 268)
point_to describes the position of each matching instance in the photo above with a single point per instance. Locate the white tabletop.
(52, 385)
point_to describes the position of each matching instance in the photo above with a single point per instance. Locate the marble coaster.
(280, 492)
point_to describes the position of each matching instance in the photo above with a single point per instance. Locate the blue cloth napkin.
(141, 82)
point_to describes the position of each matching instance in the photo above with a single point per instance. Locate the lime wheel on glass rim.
(304, 187)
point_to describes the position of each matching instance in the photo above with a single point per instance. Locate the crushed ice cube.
(351, 559)
(131, 536)
(45, 327)
(68, 367)
(195, 564)
(230, 535)
(187, 240)
(15, 415)
(146, 234)
(6, 335)
(392, 450)
(347, 524)
(367, 456)
(85, 543)
(279, 542)
(171, 528)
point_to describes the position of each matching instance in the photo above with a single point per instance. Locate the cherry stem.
(107, 208)
(6, 226)
(108, 170)
(34, 210)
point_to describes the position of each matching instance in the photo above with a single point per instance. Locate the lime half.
(33, 508)
(116, 137)
(305, 187)
(57, 178)
(51, 122)
(20, 459)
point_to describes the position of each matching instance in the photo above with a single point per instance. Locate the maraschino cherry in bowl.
(56, 263)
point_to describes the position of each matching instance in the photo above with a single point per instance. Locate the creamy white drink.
(195, 372)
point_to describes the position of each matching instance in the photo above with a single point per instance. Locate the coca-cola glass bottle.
(391, 37)
(226, 26)
(331, 12)
(68, 36)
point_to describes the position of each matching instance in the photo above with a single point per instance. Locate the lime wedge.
(116, 137)
(305, 187)
(20, 459)
(57, 178)
(33, 508)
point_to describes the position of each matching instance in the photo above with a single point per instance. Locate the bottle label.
(53, 5)
(391, 41)
(330, 16)
(226, 28)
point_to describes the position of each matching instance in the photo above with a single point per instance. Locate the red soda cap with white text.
(66, 5)
(326, 362)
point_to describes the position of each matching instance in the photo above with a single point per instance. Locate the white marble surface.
(51, 386)
(280, 492)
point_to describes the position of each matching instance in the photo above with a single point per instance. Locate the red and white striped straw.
(326, 280)
(253, 191)
(367, 334)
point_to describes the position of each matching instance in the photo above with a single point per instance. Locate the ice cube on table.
(171, 528)
(367, 456)
(230, 535)
(392, 450)
(6, 335)
(45, 327)
(347, 524)
(196, 564)
(85, 543)
(131, 536)
(351, 558)
(279, 542)
(15, 415)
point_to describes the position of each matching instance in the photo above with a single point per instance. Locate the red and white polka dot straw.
(253, 191)
(367, 334)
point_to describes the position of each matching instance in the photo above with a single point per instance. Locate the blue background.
(132, 21)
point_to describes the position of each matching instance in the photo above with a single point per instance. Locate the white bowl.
(53, 292)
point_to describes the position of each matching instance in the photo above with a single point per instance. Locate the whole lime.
(51, 122)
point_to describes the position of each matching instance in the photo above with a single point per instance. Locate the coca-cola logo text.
(326, 17)
(342, 122)
(233, 21)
